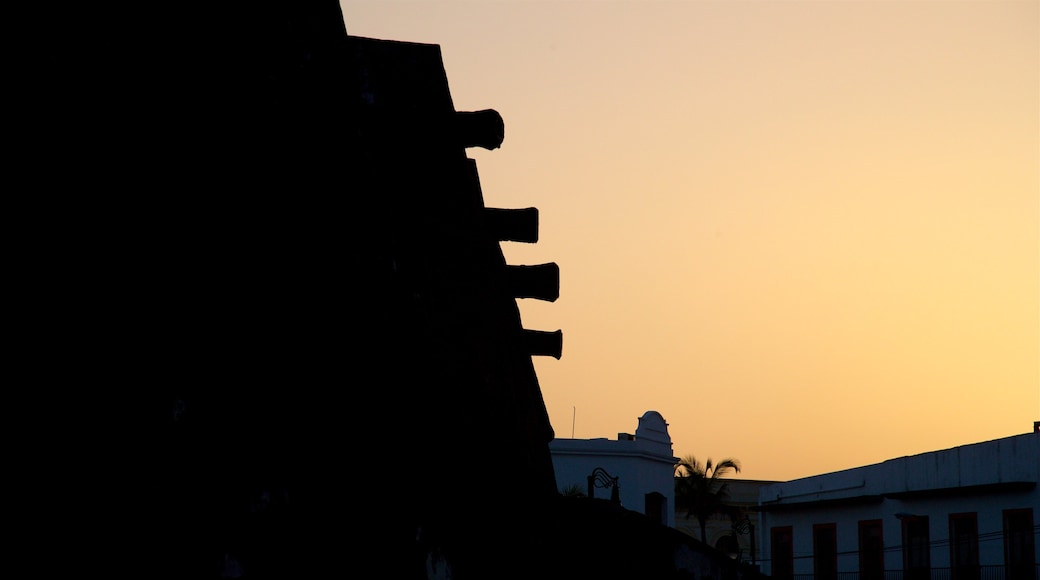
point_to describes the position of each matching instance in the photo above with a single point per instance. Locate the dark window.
(825, 551)
(1019, 548)
(871, 550)
(781, 552)
(964, 546)
(655, 507)
(917, 563)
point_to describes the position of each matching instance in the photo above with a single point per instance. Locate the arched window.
(728, 545)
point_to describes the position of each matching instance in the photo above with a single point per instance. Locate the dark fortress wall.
(272, 319)
(464, 388)
(263, 326)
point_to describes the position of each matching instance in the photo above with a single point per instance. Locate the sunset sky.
(805, 232)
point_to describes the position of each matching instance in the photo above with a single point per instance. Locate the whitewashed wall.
(986, 478)
(643, 462)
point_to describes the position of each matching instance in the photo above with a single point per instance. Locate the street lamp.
(746, 527)
(600, 478)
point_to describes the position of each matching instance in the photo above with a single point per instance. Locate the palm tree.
(700, 491)
(573, 490)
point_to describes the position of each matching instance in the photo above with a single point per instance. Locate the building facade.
(636, 470)
(966, 513)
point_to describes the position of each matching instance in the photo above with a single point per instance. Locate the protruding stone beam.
(512, 225)
(478, 129)
(541, 282)
(543, 343)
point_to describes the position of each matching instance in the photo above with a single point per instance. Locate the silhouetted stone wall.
(266, 316)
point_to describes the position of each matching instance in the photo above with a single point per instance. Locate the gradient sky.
(806, 233)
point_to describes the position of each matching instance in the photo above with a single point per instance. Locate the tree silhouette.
(573, 490)
(701, 491)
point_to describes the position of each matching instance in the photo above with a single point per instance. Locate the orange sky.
(806, 233)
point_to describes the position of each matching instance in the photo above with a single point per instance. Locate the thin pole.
(573, 416)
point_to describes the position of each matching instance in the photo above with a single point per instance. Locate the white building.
(639, 468)
(966, 513)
